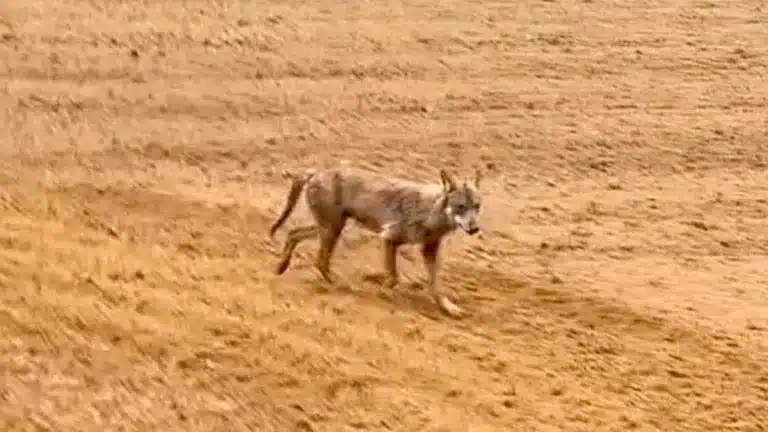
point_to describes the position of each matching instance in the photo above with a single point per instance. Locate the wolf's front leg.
(390, 262)
(429, 252)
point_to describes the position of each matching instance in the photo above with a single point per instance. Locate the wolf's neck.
(437, 220)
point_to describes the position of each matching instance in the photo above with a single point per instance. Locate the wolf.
(401, 212)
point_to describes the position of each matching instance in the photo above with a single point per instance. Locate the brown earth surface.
(620, 281)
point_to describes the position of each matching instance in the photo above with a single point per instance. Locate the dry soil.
(620, 281)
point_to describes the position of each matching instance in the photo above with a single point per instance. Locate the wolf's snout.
(473, 230)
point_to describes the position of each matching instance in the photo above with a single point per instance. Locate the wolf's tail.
(298, 181)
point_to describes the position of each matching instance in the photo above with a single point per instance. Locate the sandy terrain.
(619, 283)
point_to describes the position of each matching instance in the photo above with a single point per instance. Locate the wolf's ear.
(447, 180)
(477, 178)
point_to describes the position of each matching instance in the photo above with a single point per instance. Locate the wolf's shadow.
(371, 289)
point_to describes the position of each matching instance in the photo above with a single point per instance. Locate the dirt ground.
(619, 282)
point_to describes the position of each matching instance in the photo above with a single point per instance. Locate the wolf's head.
(462, 201)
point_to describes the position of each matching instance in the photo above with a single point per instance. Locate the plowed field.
(620, 281)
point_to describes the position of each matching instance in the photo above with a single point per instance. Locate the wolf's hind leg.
(294, 237)
(329, 238)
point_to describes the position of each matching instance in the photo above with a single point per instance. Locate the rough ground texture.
(620, 281)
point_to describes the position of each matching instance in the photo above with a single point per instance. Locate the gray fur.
(401, 212)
